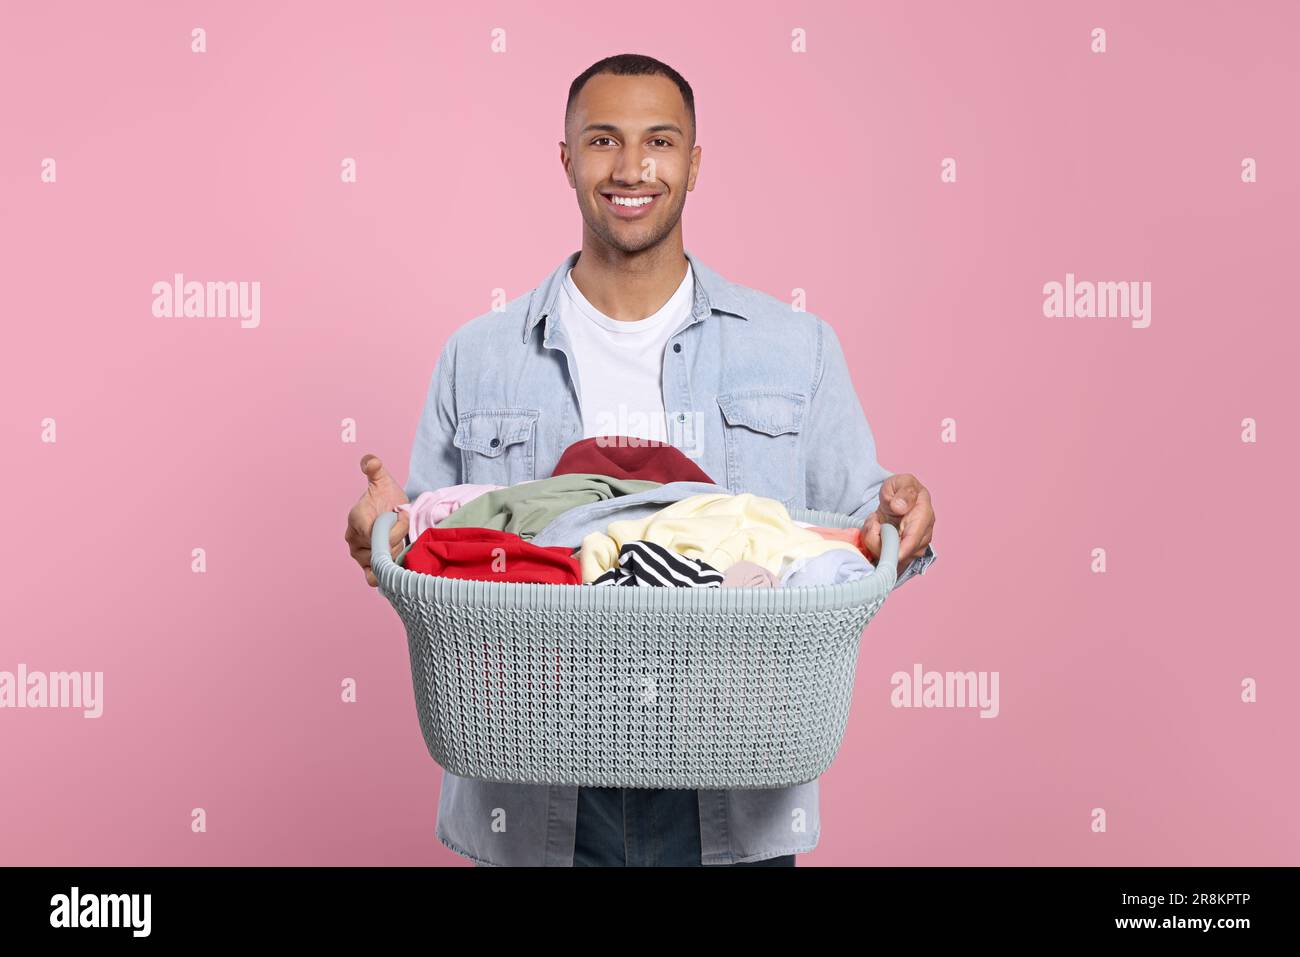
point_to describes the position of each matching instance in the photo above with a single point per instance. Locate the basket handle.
(379, 556)
(887, 564)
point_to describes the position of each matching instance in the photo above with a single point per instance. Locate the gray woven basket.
(633, 687)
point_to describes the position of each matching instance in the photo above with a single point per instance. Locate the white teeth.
(629, 201)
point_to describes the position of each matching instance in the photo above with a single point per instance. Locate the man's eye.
(599, 138)
(660, 139)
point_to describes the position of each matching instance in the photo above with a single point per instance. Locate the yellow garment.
(716, 528)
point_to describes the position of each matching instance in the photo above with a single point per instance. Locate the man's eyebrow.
(611, 128)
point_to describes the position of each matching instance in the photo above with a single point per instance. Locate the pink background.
(820, 171)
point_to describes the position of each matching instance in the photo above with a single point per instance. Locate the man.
(634, 335)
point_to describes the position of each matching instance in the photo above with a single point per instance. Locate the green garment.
(528, 507)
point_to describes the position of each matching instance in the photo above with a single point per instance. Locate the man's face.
(629, 137)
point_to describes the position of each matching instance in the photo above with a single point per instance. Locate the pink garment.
(851, 535)
(748, 575)
(430, 508)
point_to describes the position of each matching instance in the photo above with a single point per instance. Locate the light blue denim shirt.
(757, 394)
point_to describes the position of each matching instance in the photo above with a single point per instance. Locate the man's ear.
(568, 167)
(697, 153)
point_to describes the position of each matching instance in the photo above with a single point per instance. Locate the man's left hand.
(905, 504)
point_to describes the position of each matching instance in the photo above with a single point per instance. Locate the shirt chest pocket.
(762, 434)
(497, 446)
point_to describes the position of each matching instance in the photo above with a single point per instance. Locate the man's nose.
(627, 170)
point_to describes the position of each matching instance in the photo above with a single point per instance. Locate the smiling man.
(634, 329)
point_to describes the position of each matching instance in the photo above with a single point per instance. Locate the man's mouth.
(631, 205)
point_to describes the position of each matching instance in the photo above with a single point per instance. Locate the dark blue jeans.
(644, 827)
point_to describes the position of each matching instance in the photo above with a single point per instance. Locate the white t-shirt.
(620, 364)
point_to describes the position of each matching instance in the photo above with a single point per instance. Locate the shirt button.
(677, 347)
(494, 443)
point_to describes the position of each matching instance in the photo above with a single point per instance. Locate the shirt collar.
(712, 293)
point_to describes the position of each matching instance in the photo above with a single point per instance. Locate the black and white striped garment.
(647, 563)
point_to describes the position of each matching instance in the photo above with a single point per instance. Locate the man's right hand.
(382, 494)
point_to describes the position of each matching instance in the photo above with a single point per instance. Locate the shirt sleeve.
(843, 472)
(435, 460)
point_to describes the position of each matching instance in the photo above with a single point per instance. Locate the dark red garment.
(629, 457)
(484, 554)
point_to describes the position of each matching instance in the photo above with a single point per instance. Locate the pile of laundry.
(625, 511)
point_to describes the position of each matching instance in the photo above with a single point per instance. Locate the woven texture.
(633, 687)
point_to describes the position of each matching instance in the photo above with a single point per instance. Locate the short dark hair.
(632, 64)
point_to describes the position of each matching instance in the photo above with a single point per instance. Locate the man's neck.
(630, 286)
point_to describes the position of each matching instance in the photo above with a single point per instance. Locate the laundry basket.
(633, 687)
